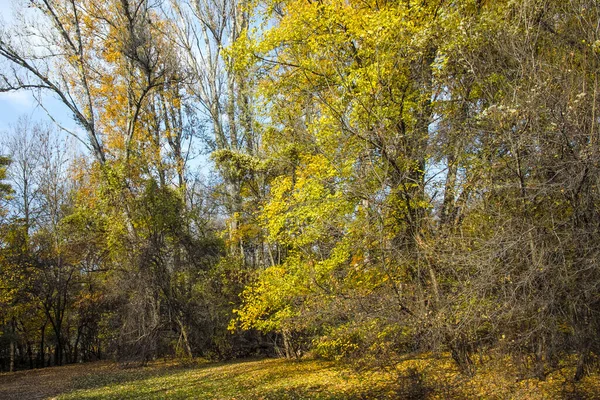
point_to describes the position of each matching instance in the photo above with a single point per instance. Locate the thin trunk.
(75, 348)
(449, 191)
(30, 355)
(286, 345)
(184, 335)
(42, 355)
(58, 352)
(13, 346)
(582, 363)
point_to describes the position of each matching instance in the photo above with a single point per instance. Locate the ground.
(249, 379)
(272, 379)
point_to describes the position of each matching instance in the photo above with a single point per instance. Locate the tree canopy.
(385, 178)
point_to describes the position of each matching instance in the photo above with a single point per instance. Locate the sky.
(12, 104)
(22, 103)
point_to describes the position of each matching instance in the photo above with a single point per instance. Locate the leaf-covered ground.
(431, 378)
(255, 379)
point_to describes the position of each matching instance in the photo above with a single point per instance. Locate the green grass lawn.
(263, 379)
(425, 377)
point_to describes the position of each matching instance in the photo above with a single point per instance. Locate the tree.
(391, 177)
(66, 74)
(374, 109)
(5, 188)
(22, 146)
(222, 88)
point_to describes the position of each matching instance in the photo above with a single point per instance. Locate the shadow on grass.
(119, 377)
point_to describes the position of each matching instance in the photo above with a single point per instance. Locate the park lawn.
(420, 378)
(256, 379)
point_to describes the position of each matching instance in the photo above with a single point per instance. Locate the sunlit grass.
(265, 379)
(422, 378)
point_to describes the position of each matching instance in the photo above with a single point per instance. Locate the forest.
(351, 180)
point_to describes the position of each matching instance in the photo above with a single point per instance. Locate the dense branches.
(390, 177)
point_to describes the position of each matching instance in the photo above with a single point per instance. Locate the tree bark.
(13, 346)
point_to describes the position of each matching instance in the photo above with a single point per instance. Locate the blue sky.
(15, 104)
(12, 104)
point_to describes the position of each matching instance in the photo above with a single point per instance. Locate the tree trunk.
(184, 335)
(582, 363)
(30, 355)
(42, 354)
(12, 346)
(75, 352)
(288, 346)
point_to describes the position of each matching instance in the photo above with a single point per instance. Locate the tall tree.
(222, 88)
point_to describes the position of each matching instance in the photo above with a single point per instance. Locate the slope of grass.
(417, 378)
(428, 377)
(261, 379)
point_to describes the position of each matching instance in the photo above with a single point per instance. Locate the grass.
(258, 379)
(273, 379)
